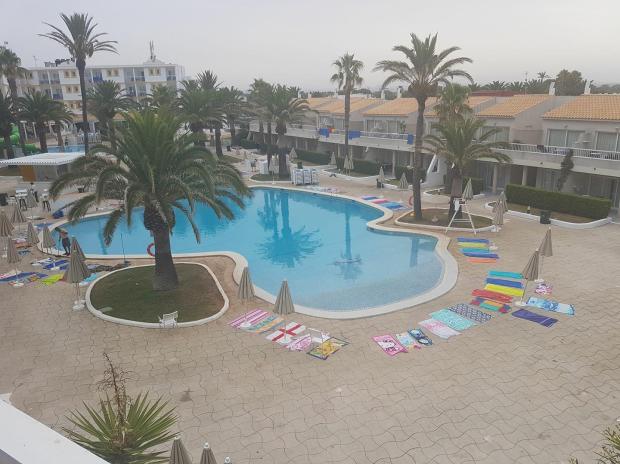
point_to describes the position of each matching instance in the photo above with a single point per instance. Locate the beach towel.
(59, 264)
(420, 337)
(530, 316)
(51, 280)
(453, 320)
(7, 275)
(543, 289)
(88, 280)
(389, 345)
(490, 305)
(504, 282)
(470, 313)
(369, 197)
(379, 201)
(283, 335)
(550, 305)
(476, 250)
(472, 240)
(505, 290)
(32, 277)
(269, 323)
(327, 348)
(251, 317)
(301, 343)
(10, 277)
(408, 341)
(474, 245)
(482, 255)
(439, 328)
(482, 260)
(505, 274)
(489, 295)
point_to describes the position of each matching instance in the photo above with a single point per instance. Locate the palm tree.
(39, 109)
(425, 69)
(260, 92)
(81, 42)
(163, 96)
(11, 69)
(233, 108)
(199, 108)
(495, 85)
(475, 87)
(7, 119)
(347, 77)
(452, 102)
(207, 80)
(285, 108)
(59, 116)
(461, 141)
(155, 168)
(105, 101)
(516, 86)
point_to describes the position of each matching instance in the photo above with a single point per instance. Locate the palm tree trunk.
(112, 135)
(347, 114)
(81, 66)
(61, 146)
(282, 167)
(22, 134)
(417, 160)
(42, 133)
(457, 181)
(165, 277)
(268, 138)
(261, 129)
(8, 147)
(218, 141)
(233, 131)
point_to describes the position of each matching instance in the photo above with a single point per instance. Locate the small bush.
(248, 144)
(313, 156)
(362, 166)
(476, 183)
(398, 172)
(590, 207)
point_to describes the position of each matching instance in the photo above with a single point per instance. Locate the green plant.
(566, 167)
(155, 168)
(247, 144)
(610, 452)
(423, 71)
(122, 430)
(313, 156)
(81, 42)
(39, 109)
(105, 101)
(7, 119)
(201, 109)
(362, 166)
(590, 207)
(11, 68)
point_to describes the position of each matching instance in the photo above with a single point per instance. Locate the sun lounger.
(504, 282)
(505, 290)
(537, 318)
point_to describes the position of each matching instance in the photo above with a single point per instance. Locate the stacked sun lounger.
(393, 205)
(498, 292)
(291, 335)
(477, 250)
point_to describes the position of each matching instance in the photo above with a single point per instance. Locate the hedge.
(590, 207)
(476, 183)
(248, 144)
(313, 156)
(362, 166)
(398, 172)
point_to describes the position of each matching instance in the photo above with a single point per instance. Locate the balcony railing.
(171, 78)
(562, 151)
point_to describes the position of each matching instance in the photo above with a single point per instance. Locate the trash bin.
(545, 216)
(3, 199)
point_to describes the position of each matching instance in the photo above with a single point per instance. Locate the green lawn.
(231, 159)
(269, 177)
(554, 215)
(130, 295)
(442, 219)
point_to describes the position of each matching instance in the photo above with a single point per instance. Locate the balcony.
(562, 151)
(137, 79)
(57, 96)
(171, 78)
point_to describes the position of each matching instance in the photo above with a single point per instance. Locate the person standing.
(65, 241)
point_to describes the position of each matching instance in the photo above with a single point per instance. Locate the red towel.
(500, 297)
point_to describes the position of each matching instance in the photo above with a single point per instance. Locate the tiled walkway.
(509, 391)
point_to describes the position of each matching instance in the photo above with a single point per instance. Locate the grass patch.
(442, 219)
(396, 182)
(131, 296)
(351, 173)
(230, 159)
(9, 171)
(554, 215)
(269, 177)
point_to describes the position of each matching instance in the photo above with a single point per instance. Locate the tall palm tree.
(7, 119)
(11, 69)
(82, 42)
(61, 116)
(260, 92)
(163, 96)
(425, 69)
(208, 80)
(200, 109)
(461, 142)
(347, 77)
(39, 109)
(154, 168)
(105, 100)
(495, 85)
(285, 108)
(233, 107)
(452, 102)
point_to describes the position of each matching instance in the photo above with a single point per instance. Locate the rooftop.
(398, 107)
(357, 104)
(474, 102)
(513, 106)
(588, 107)
(317, 102)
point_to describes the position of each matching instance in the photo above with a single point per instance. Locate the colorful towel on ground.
(283, 335)
(389, 345)
(408, 341)
(550, 305)
(490, 305)
(369, 197)
(439, 328)
(504, 282)
(453, 320)
(505, 290)
(251, 317)
(482, 260)
(88, 280)
(269, 323)
(482, 255)
(60, 264)
(11, 276)
(473, 240)
(489, 295)
(327, 348)
(530, 316)
(543, 289)
(476, 250)
(302, 343)
(380, 201)
(51, 280)
(476, 245)
(470, 313)
(32, 277)
(7, 275)
(505, 274)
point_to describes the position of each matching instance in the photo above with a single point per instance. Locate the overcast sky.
(295, 42)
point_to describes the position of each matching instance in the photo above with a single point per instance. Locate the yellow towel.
(473, 245)
(505, 290)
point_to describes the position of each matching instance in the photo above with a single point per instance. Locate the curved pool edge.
(446, 283)
(153, 325)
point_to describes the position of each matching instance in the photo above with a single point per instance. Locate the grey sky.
(295, 42)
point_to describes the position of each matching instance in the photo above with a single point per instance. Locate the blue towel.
(505, 274)
(482, 255)
(392, 205)
(472, 240)
(530, 316)
(506, 283)
(474, 250)
(21, 275)
(59, 263)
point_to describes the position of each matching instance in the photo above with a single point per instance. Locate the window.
(76, 89)
(72, 73)
(557, 137)
(68, 89)
(574, 139)
(66, 74)
(566, 138)
(501, 135)
(108, 73)
(607, 141)
(116, 72)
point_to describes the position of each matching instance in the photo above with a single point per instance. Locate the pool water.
(320, 244)
(68, 149)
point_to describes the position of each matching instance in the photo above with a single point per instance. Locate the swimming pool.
(67, 148)
(320, 244)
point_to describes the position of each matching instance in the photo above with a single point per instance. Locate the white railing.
(385, 135)
(589, 153)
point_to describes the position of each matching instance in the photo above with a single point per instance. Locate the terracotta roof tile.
(316, 103)
(398, 107)
(357, 104)
(473, 102)
(588, 107)
(513, 106)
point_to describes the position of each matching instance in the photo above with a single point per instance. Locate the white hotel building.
(540, 129)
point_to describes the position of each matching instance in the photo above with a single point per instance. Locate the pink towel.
(379, 201)
(389, 344)
(439, 328)
(251, 317)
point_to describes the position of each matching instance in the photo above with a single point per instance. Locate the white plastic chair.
(168, 321)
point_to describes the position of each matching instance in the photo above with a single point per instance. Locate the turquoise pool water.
(320, 244)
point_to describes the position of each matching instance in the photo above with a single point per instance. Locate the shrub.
(590, 207)
(248, 144)
(362, 166)
(313, 156)
(398, 172)
(476, 183)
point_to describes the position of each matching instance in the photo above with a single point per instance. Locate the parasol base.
(78, 304)
(520, 303)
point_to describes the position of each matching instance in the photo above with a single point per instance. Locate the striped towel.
(252, 317)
